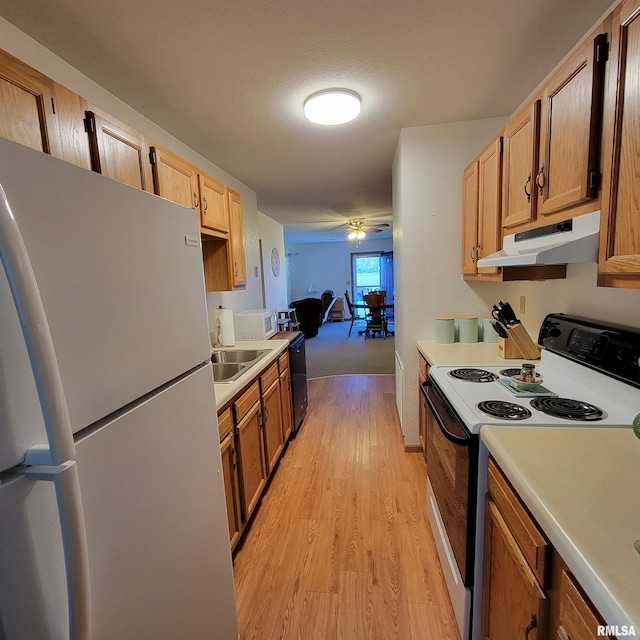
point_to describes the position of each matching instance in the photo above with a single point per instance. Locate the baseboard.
(412, 448)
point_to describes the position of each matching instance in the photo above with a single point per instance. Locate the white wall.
(271, 234)
(25, 48)
(427, 204)
(326, 263)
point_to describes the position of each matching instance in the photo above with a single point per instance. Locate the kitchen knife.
(499, 329)
(508, 314)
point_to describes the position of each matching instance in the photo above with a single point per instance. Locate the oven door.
(452, 467)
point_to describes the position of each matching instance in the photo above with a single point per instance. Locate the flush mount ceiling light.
(332, 106)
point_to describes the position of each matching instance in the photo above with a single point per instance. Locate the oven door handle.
(452, 437)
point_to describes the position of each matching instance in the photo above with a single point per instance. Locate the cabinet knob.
(540, 179)
(527, 188)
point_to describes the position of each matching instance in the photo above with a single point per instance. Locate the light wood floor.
(340, 546)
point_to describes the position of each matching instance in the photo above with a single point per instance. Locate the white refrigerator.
(112, 509)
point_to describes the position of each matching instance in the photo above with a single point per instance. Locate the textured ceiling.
(229, 79)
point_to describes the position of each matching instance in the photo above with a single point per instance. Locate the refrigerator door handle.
(37, 335)
(74, 540)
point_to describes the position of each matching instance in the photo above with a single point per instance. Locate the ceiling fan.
(358, 227)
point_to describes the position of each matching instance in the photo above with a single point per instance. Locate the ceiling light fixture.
(332, 106)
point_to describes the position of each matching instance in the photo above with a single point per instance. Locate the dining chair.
(352, 312)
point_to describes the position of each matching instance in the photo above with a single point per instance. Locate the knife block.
(508, 349)
(518, 345)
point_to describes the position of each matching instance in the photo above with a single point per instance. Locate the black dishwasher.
(298, 364)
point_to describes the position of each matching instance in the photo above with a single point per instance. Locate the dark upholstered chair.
(309, 312)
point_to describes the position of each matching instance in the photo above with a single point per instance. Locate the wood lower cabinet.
(230, 474)
(253, 430)
(514, 603)
(423, 370)
(27, 107)
(528, 591)
(286, 398)
(619, 257)
(250, 442)
(272, 416)
(118, 151)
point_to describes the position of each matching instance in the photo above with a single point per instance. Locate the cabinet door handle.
(478, 252)
(540, 179)
(472, 253)
(527, 188)
(562, 634)
(196, 202)
(532, 625)
(206, 204)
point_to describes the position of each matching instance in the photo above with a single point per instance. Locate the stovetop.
(582, 396)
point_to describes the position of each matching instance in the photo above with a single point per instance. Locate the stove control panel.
(610, 349)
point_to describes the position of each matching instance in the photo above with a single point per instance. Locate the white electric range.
(590, 378)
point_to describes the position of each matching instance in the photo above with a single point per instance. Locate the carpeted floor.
(332, 352)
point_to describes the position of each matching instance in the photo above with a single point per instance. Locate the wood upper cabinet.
(71, 109)
(521, 139)
(619, 257)
(27, 107)
(569, 172)
(469, 218)
(214, 205)
(481, 228)
(118, 151)
(174, 178)
(237, 262)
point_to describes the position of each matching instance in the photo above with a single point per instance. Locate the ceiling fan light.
(332, 106)
(360, 235)
(352, 235)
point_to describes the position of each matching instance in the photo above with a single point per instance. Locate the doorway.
(371, 271)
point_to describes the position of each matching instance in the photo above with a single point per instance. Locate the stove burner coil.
(510, 373)
(567, 408)
(473, 375)
(504, 410)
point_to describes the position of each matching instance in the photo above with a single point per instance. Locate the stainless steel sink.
(238, 355)
(230, 364)
(227, 371)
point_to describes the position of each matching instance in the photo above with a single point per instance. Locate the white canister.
(445, 330)
(468, 328)
(488, 332)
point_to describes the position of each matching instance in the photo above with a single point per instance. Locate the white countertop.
(463, 353)
(582, 485)
(226, 390)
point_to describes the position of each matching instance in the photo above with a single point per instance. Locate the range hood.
(574, 240)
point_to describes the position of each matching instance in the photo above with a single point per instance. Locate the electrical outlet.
(523, 304)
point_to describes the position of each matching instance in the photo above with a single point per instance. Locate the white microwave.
(255, 324)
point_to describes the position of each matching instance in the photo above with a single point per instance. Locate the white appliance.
(112, 508)
(594, 371)
(255, 324)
